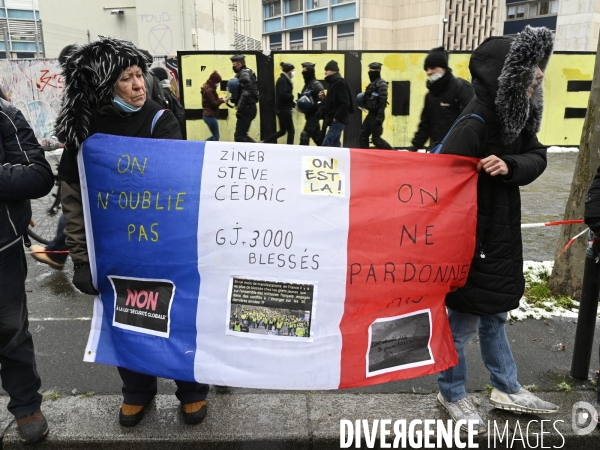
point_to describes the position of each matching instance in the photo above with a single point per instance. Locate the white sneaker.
(522, 401)
(462, 409)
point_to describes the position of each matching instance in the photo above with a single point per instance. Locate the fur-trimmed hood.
(90, 74)
(503, 68)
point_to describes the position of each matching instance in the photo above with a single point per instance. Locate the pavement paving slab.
(248, 421)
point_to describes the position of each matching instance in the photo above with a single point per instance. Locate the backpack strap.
(438, 148)
(157, 116)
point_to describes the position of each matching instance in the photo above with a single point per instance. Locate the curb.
(287, 421)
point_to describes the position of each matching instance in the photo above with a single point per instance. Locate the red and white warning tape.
(551, 224)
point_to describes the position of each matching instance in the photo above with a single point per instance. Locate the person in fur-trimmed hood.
(105, 93)
(507, 74)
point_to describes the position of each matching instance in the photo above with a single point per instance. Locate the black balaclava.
(374, 74)
(308, 74)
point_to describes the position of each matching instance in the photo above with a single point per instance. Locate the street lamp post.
(444, 22)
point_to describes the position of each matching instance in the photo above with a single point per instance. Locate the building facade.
(159, 26)
(379, 24)
(21, 29)
(576, 22)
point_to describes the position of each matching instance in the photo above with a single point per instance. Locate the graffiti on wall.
(35, 86)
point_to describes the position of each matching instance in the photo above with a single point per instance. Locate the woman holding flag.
(105, 93)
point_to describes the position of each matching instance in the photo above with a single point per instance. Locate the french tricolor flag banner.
(271, 266)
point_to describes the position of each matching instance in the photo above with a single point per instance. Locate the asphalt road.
(60, 319)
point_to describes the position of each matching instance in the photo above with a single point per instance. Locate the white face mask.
(292, 73)
(435, 76)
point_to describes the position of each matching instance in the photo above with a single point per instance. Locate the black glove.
(82, 278)
(379, 121)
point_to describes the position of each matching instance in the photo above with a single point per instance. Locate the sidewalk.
(280, 421)
(261, 419)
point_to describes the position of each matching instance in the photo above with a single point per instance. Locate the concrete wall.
(162, 27)
(219, 34)
(400, 24)
(90, 15)
(578, 25)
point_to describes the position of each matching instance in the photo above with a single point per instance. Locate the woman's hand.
(493, 166)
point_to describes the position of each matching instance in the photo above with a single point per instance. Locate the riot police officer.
(308, 103)
(245, 99)
(375, 102)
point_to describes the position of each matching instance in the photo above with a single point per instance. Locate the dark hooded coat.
(502, 69)
(592, 204)
(446, 99)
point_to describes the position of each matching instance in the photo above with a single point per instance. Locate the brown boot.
(32, 428)
(194, 413)
(130, 415)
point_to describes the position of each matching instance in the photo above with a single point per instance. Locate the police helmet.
(361, 101)
(304, 103)
(233, 86)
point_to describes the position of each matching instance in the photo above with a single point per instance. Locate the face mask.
(435, 76)
(374, 74)
(235, 69)
(292, 74)
(123, 107)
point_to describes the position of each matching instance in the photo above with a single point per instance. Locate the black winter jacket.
(446, 98)
(138, 124)
(24, 174)
(284, 93)
(495, 282)
(338, 103)
(248, 88)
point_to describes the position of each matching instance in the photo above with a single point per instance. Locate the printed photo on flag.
(399, 342)
(270, 309)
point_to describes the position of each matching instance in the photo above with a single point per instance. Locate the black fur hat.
(90, 74)
(531, 49)
(506, 66)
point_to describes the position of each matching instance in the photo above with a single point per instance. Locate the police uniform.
(375, 101)
(245, 102)
(311, 89)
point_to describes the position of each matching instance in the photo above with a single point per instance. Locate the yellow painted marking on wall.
(399, 130)
(191, 66)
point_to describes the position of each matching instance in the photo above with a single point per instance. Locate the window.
(275, 42)
(294, 6)
(337, 2)
(314, 4)
(345, 35)
(532, 9)
(297, 40)
(319, 38)
(273, 9)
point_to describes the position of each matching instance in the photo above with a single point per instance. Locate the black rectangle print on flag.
(399, 342)
(143, 305)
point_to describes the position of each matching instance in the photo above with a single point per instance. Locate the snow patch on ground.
(555, 149)
(536, 271)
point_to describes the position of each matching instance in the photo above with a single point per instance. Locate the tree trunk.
(568, 269)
